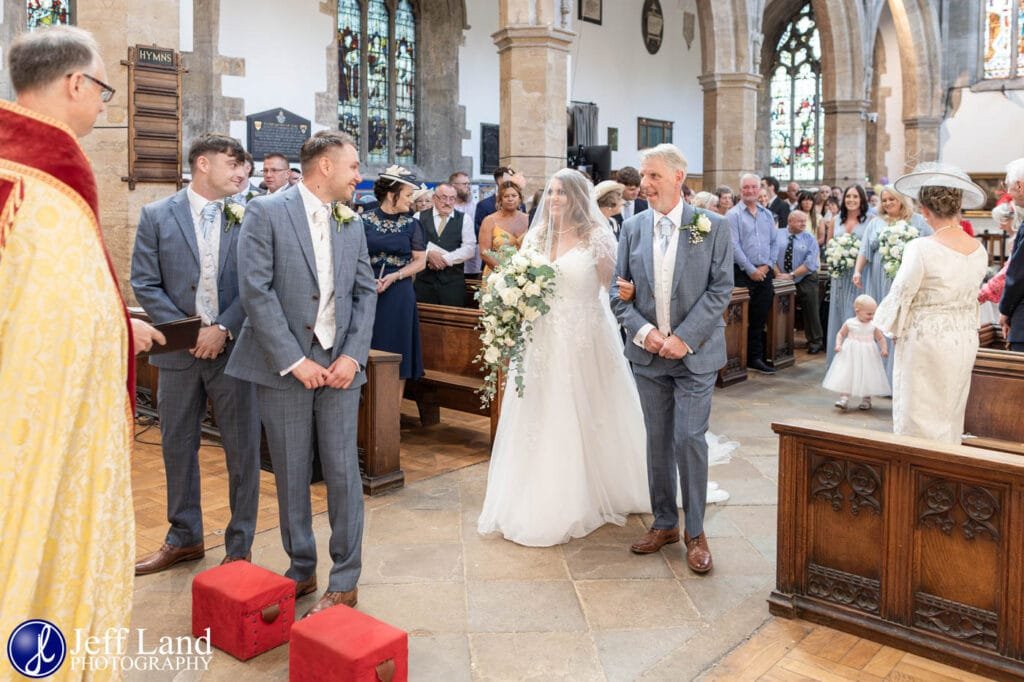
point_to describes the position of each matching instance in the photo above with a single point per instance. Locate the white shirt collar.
(197, 203)
(675, 215)
(310, 201)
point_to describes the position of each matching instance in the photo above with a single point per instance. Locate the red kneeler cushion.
(248, 609)
(340, 643)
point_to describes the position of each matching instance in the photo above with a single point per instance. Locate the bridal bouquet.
(841, 254)
(515, 295)
(892, 240)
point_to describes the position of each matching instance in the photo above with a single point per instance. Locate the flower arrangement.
(892, 241)
(699, 227)
(343, 215)
(841, 254)
(233, 214)
(516, 294)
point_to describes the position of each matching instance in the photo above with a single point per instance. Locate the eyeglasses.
(106, 92)
(275, 170)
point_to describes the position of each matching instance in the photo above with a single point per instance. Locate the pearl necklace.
(943, 229)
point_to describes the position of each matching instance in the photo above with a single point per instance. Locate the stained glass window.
(350, 39)
(47, 13)
(797, 119)
(405, 82)
(377, 78)
(1004, 38)
(377, 72)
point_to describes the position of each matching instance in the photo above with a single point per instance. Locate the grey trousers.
(181, 404)
(290, 417)
(677, 407)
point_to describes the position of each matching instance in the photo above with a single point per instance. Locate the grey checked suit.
(281, 295)
(165, 274)
(676, 394)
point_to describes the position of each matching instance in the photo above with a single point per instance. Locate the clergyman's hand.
(145, 335)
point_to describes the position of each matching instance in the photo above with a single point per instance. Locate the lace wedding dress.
(570, 455)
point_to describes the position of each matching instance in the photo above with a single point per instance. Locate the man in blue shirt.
(796, 258)
(753, 250)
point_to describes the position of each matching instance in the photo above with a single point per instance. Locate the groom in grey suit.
(184, 264)
(682, 270)
(311, 297)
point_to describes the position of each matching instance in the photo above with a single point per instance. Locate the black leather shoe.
(761, 366)
(813, 349)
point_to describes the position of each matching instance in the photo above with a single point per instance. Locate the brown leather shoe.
(167, 556)
(304, 587)
(655, 539)
(334, 599)
(698, 555)
(228, 559)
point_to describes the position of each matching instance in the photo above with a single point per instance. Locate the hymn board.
(154, 115)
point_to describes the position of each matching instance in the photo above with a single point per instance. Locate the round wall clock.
(653, 25)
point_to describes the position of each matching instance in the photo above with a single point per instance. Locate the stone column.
(533, 51)
(845, 141)
(730, 127)
(12, 23)
(921, 142)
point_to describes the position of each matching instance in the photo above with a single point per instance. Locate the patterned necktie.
(209, 218)
(664, 233)
(320, 217)
(441, 225)
(787, 260)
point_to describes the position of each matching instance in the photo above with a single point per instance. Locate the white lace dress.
(570, 455)
(932, 311)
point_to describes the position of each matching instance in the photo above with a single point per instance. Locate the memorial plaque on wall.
(276, 131)
(154, 115)
(489, 152)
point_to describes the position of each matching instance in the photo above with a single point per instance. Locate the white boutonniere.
(233, 214)
(343, 215)
(699, 227)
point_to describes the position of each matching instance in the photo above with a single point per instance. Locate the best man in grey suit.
(184, 264)
(675, 342)
(310, 296)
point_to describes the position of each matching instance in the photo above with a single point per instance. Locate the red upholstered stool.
(248, 609)
(340, 643)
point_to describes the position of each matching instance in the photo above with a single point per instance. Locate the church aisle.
(486, 609)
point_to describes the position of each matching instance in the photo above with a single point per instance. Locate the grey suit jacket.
(702, 287)
(165, 271)
(281, 296)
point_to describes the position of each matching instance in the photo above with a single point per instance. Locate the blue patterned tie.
(211, 212)
(664, 233)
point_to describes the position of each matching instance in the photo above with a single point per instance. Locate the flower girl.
(858, 368)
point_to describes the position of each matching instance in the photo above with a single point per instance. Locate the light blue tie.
(664, 233)
(211, 213)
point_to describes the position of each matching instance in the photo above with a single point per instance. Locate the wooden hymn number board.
(154, 115)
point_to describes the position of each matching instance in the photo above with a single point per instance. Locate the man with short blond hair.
(276, 172)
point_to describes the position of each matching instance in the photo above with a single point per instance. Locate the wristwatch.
(223, 329)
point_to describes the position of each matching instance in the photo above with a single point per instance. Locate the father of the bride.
(680, 260)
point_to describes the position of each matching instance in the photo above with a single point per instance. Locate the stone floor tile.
(421, 609)
(439, 657)
(635, 604)
(525, 606)
(609, 557)
(398, 525)
(732, 557)
(499, 559)
(411, 563)
(625, 654)
(548, 656)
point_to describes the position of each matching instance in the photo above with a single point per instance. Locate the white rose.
(520, 261)
(849, 262)
(521, 280)
(486, 299)
(703, 223)
(497, 283)
(491, 355)
(487, 338)
(510, 296)
(531, 314)
(507, 315)
(343, 213)
(532, 289)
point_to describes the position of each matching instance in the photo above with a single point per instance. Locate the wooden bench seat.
(994, 403)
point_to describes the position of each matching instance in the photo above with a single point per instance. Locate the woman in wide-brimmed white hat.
(932, 309)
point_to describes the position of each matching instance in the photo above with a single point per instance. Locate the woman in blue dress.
(869, 272)
(851, 220)
(394, 240)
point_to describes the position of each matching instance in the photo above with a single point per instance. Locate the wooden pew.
(781, 324)
(735, 369)
(993, 414)
(450, 341)
(912, 543)
(378, 431)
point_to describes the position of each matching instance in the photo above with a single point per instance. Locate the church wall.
(983, 134)
(891, 105)
(285, 62)
(478, 77)
(611, 67)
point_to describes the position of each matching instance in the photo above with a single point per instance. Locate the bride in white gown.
(570, 455)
